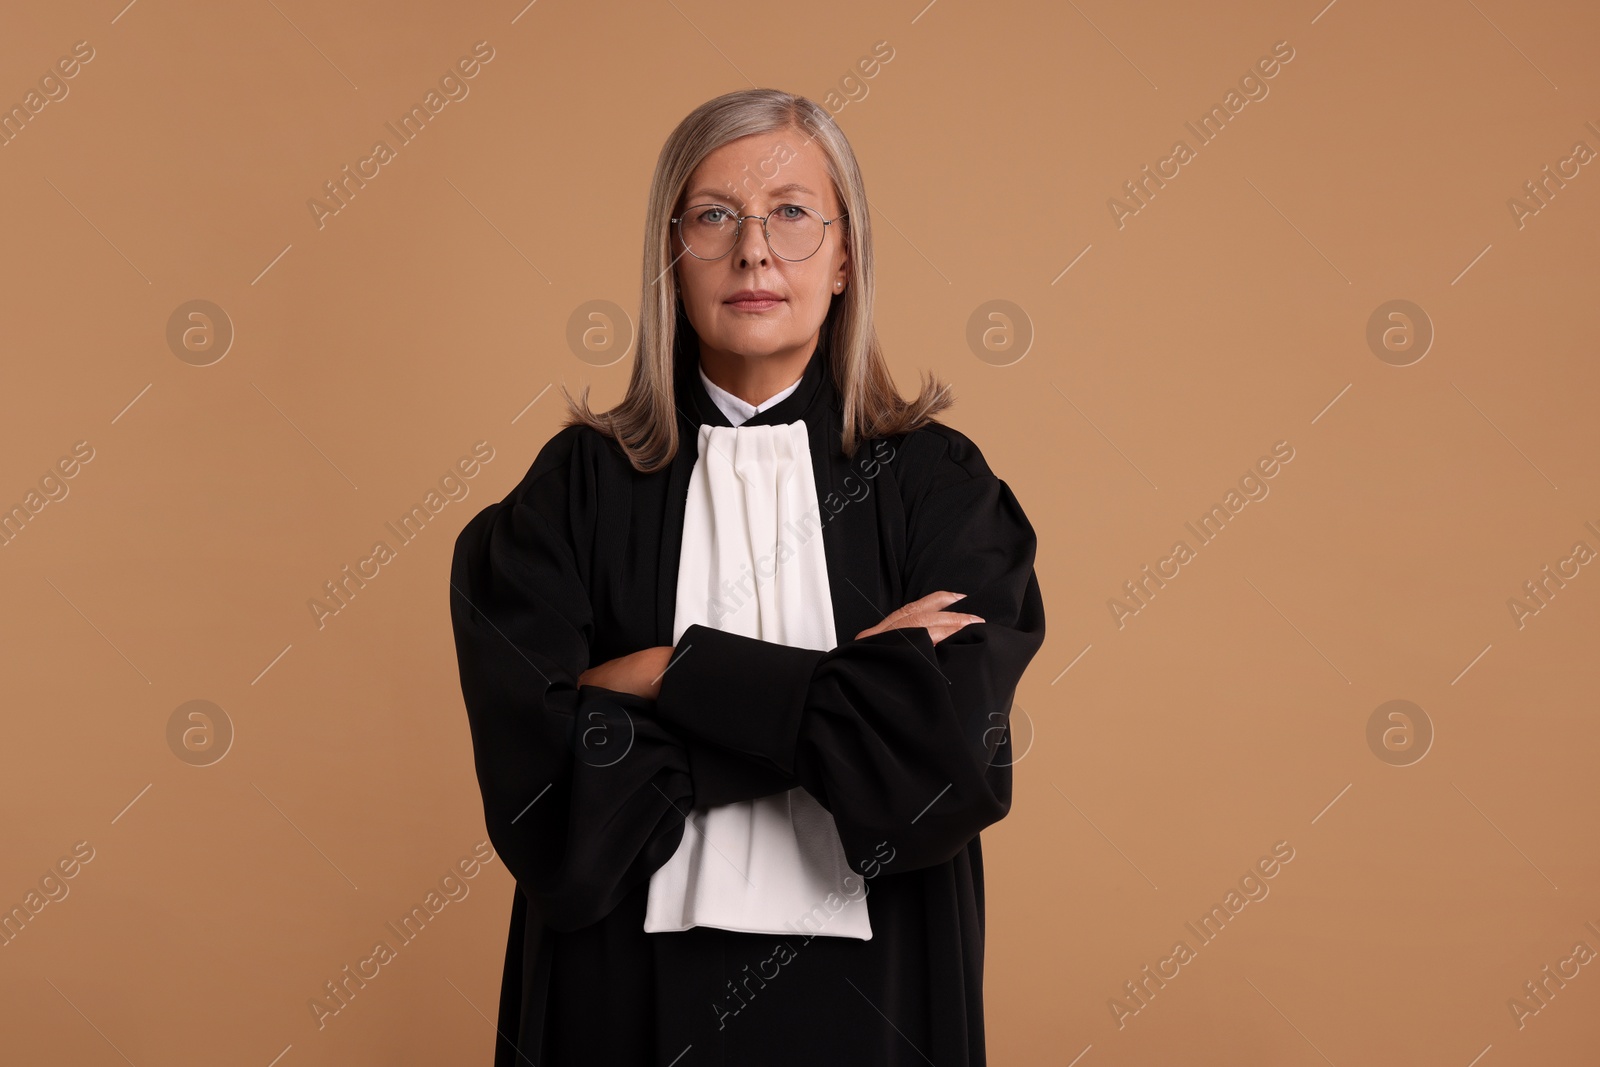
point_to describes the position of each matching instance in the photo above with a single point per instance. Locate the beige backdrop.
(1328, 317)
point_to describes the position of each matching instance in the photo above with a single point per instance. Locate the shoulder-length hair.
(644, 424)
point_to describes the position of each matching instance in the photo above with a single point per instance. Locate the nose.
(752, 246)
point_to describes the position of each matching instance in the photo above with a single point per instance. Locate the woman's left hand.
(638, 672)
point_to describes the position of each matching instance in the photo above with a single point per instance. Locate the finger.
(934, 601)
(950, 624)
(898, 615)
(940, 618)
(940, 624)
(919, 608)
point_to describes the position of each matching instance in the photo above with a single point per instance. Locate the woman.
(733, 742)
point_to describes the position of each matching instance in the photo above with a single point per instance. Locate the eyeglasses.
(793, 231)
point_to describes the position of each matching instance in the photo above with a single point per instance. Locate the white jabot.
(774, 864)
(736, 409)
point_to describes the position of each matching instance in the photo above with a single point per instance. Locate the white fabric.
(774, 864)
(736, 408)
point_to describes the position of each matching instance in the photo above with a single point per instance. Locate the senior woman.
(738, 654)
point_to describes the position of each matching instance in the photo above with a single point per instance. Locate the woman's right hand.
(926, 612)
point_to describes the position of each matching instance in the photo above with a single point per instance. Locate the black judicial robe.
(585, 789)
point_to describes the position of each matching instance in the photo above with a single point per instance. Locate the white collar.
(750, 564)
(736, 409)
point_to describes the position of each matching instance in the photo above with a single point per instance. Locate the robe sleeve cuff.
(740, 693)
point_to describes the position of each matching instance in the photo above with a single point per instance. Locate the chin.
(754, 349)
(753, 338)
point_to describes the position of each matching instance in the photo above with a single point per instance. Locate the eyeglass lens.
(709, 230)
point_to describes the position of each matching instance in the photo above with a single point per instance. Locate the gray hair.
(644, 423)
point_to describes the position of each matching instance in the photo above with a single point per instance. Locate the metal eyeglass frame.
(738, 230)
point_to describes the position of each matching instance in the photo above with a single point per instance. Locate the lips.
(754, 300)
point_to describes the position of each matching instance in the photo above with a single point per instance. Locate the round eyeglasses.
(794, 232)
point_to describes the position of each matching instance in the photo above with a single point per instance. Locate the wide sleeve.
(584, 793)
(904, 741)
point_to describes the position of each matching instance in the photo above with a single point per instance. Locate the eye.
(712, 215)
(790, 212)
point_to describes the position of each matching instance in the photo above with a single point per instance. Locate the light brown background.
(1229, 314)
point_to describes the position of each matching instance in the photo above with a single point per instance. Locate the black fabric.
(585, 790)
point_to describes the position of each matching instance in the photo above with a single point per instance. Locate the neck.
(756, 379)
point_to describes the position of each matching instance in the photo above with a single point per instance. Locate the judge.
(738, 655)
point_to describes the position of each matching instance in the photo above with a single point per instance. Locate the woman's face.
(755, 175)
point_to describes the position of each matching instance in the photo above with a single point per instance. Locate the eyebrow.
(716, 194)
